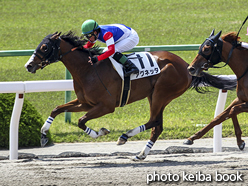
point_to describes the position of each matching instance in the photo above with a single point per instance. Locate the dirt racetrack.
(176, 165)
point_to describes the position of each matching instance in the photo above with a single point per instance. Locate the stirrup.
(128, 73)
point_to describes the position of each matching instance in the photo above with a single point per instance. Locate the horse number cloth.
(147, 66)
(144, 61)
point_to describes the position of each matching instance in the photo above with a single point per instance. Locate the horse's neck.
(75, 61)
(238, 60)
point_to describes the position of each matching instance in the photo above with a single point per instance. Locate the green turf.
(25, 23)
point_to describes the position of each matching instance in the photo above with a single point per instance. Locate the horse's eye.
(44, 47)
(206, 49)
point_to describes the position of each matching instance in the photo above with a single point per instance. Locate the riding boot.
(129, 67)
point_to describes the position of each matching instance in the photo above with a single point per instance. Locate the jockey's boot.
(129, 67)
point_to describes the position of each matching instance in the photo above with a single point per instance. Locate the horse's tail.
(201, 84)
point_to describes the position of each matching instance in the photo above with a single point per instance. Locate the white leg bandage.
(91, 132)
(135, 131)
(148, 147)
(146, 150)
(47, 125)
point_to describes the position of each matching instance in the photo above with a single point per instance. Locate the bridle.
(51, 54)
(215, 56)
(216, 44)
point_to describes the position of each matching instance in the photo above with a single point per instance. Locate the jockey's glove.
(238, 44)
(94, 59)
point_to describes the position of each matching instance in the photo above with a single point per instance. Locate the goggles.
(88, 36)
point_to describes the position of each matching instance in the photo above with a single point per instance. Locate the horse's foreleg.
(72, 106)
(233, 114)
(216, 121)
(96, 112)
(238, 132)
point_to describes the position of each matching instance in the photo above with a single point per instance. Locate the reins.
(235, 44)
(236, 40)
(75, 48)
(243, 74)
(98, 75)
(54, 56)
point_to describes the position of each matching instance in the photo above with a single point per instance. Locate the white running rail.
(22, 87)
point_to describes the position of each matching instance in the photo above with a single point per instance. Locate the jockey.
(118, 38)
(244, 45)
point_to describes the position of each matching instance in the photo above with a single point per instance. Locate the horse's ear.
(55, 35)
(212, 33)
(216, 37)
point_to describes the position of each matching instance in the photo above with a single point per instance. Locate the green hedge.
(29, 125)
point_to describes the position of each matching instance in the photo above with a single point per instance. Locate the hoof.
(43, 140)
(242, 146)
(139, 158)
(122, 140)
(103, 132)
(188, 142)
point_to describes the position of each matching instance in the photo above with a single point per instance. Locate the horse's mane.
(230, 37)
(76, 41)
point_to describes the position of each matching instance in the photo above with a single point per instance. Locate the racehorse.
(98, 100)
(214, 50)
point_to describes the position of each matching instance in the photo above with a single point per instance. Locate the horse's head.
(47, 52)
(209, 54)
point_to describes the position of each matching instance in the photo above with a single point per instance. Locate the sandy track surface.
(157, 169)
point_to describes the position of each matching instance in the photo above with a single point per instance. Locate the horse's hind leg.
(156, 131)
(155, 122)
(156, 125)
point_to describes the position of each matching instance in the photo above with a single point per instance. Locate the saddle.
(147, 66)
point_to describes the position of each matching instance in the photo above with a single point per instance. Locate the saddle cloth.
(144, 61)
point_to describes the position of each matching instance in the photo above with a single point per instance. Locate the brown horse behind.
(92, 96)
(225, 49)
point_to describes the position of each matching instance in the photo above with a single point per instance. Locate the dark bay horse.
(212, 51)
(92, 96)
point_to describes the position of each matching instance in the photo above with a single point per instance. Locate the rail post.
(14, 126)
(67, 97)
(217, 141)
